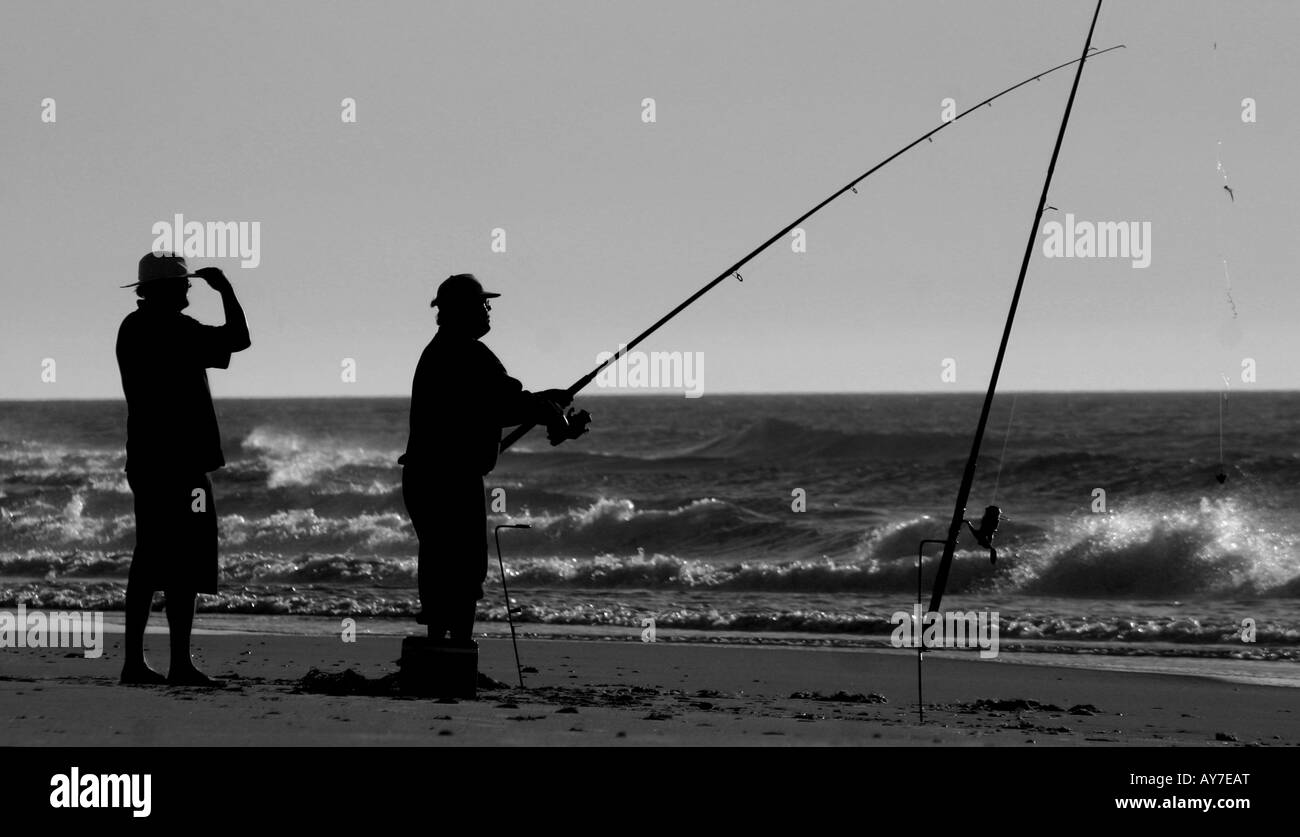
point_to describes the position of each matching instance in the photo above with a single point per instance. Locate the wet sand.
(625, 693)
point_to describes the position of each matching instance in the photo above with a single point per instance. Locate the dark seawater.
(681, 510)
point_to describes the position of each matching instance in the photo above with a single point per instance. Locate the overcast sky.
(528, 116)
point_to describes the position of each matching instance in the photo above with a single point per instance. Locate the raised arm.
(236, 325)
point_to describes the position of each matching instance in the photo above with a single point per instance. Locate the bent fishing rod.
(988, 525)
(734, 270)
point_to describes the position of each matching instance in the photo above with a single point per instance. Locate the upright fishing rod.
(734, 270)
(991, 515)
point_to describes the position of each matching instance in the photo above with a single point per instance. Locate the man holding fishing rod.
(461, 398)
(442, 482)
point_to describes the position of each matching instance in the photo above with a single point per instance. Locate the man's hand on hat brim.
(214, 277)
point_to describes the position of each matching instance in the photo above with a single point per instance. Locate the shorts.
(175, 532)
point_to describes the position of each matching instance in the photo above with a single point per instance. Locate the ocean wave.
(294, 459)
(704, 526)
(778, 439)
(1218, 548)
(304, 530)
(45, 522)
(1208, 631)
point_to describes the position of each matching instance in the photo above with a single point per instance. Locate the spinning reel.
(988, 527)
(568, 425)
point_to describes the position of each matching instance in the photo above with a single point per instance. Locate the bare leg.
(135, 669)
(180, 622)
(462, 623)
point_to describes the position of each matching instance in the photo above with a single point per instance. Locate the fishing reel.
(567, 425)
(988, 527)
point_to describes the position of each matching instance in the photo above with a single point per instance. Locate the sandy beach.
(624, 693)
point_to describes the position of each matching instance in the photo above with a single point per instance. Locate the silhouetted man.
(460, 399)
(172, 442)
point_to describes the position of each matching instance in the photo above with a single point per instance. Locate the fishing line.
(1003, 458)
(1227, 284)
(1232, 197)
(1222, 475)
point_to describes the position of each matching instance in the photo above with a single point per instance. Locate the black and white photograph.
(614, 374)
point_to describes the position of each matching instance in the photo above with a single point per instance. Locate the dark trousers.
(450, 519)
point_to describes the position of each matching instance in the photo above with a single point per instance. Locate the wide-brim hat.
(158, 266)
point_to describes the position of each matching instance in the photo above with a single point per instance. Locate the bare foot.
(191, 676)
(141, 675)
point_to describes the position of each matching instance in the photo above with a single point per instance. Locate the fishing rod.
(734, 270)
(988, 525)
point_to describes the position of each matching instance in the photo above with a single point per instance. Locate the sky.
(529, 117)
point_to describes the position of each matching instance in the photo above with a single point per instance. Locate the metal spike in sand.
(510, 611)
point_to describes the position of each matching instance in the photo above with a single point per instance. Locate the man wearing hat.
(172, 442)
(461, 398)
